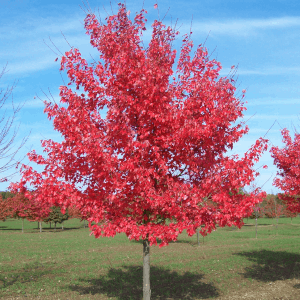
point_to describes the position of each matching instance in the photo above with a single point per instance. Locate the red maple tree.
(77, 214)
(157, 163)
(272, 207)
(24, 205)
(5, 209)
(74, 212)
(287, 160)
(290, 214)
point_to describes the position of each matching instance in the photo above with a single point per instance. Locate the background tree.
(8, 150)
(258, 212)
(273, 208)
(56, 216)
(5, 209)
(19, 205)
(157, 163)
(6, 194)
(76, 213)
(26, 207)
(287, 160)
(289, 214)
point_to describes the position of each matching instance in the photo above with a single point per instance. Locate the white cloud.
(241, 27)
(264, 71)
(269, 101)
(32, 27)
(25, 46)
(271, 117)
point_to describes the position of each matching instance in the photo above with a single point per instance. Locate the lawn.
(228, 264)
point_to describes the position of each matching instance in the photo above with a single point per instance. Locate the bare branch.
(8, 150)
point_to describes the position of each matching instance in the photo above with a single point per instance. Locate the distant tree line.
(273, 207)
(19, 207)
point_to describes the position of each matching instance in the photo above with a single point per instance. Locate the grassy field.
(229, 264)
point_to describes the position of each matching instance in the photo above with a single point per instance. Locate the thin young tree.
(289, 214)
(157, 163)
(257, 213)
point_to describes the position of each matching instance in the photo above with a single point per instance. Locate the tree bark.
(146, 270)
(256, 228)
(40, 226)
(62, 225)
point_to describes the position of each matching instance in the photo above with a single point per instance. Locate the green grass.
(70, 264)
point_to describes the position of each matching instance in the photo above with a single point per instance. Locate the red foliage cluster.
(74, 213)
(287, 160)
(258, 212)
(273, 209)
(160, 153)
(21, 206)
(5, 209)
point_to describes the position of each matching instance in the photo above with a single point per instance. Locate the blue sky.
(260, 37)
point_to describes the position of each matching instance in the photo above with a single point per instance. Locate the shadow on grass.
(10, 229)
(253, 225)
(181, 241)
(31, 272)
(272, 265)
(127, 283)
(58, 229)
(36, 230)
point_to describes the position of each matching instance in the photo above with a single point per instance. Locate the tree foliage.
(287, 160)
(6, 194)
(5, 209)
(56, 216)
(23, 205)
(273, 207)
(160, 153)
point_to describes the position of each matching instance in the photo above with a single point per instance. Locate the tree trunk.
(62, 225)
(146, 270)
(22, 225)
(40, 226)
(198, 237)
(256, 228)
(83, 223)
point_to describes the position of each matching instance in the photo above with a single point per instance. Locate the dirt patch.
(278, 290)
